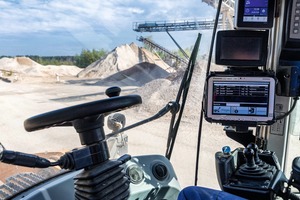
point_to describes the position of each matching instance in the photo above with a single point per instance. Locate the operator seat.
(201, 193)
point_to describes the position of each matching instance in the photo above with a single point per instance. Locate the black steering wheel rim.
(69, 114)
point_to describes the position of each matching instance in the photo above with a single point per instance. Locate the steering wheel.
(65, 115)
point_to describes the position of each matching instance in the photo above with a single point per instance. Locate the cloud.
(38, 15)
(92, 22)
(176, 9)
(136, 10)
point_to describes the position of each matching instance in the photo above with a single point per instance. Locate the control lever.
(257, 160)
(24, 159)
(254, 147)
(249, 155)
(250, 170)
(113, 91)
(239, 172)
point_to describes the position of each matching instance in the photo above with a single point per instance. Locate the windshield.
(56, 54)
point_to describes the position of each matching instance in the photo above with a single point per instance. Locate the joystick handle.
(249, 155)
(254, 147)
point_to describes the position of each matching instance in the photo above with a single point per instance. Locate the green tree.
(150, 38)
(187, 50)
(53, 60)
(87, 57)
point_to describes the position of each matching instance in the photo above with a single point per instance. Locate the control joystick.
(250, 170)
(257, 160)
(243, 172)
(250, 165)
(254, 147)
(249, 155)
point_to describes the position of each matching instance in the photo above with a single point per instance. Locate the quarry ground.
(40, 91)
(32, 96)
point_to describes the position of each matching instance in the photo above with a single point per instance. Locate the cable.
(289, 112)
(207, 73)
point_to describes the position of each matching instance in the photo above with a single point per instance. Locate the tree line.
(84, 59)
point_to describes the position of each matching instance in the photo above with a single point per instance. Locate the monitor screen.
(255, 11)
(242, 48)
(257, 14)
(242, 99)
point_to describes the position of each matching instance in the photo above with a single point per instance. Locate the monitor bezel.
(238, 118)
(246, 34)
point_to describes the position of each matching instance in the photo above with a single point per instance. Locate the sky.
(62, 28)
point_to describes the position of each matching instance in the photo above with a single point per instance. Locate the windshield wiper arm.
(172, 106)
(183, 92)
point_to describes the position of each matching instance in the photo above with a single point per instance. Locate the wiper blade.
(172, 106)
(182, 93)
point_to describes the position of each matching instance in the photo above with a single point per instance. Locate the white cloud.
(38, 15)
(136, 10)
(177, 9)
(91, 20)
(4, 4)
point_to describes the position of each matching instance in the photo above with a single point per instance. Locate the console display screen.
(254, 14)
(242, 48)
(241, 98)
(256, 11)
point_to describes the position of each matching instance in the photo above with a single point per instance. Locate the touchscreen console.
(254, 14)
(240, 99)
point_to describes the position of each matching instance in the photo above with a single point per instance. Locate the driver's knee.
(201, 193)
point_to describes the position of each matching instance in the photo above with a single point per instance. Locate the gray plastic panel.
(150, 187)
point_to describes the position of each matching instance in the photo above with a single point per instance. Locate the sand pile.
(157, 93)
(128, 64)
(23, 66)
(137, 75)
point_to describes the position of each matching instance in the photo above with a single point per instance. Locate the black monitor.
(240, 99)
(256, 14)
(242, 48)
